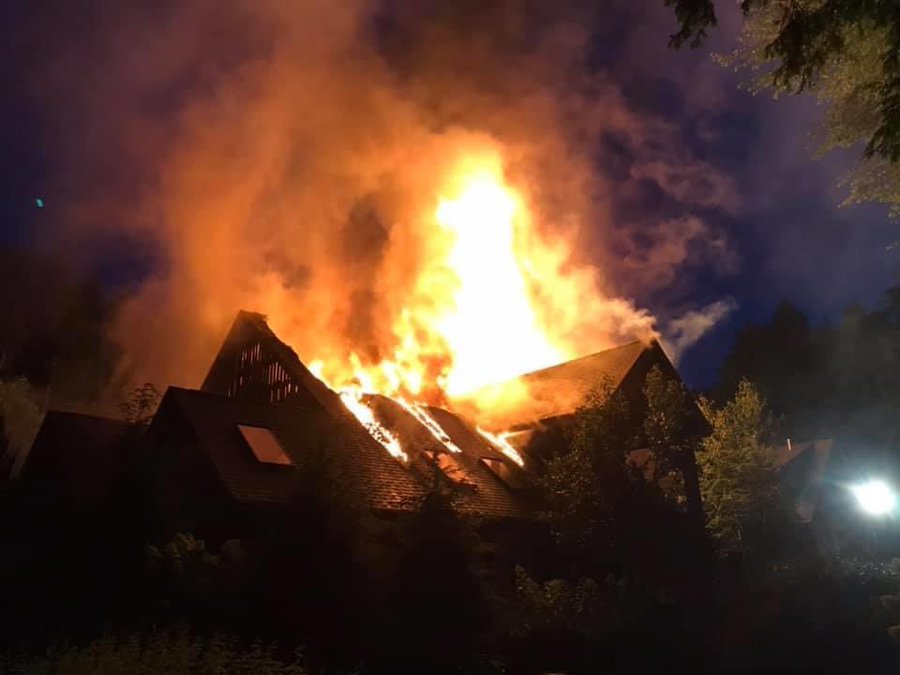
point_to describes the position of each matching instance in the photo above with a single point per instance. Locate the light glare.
(875, 497)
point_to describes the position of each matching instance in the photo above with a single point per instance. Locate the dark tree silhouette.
(439, 605)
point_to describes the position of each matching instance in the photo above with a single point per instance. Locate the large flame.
(492, 330)
(473, 317)
(418, 230)
(491, 300)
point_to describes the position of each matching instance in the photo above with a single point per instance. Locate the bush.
(158, 652)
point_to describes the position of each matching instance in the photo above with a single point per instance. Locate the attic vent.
(264, 445)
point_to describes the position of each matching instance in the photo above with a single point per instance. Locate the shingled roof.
(79, 454)
(802, 468)
(303, 432)
(254, 370)
(559, 390)
(306, 432)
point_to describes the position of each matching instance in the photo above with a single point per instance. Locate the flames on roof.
(255, 364)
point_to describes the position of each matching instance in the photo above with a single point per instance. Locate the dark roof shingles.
(559, 390)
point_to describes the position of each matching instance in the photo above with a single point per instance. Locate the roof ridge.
(585, 357)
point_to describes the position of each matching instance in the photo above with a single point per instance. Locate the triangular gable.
(253, 364)
(256, 367)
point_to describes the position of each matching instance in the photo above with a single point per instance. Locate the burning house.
(420, 385)
(238, 443)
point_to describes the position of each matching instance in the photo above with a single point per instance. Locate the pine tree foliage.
(666, 430)
(583, 486)
(846, 54)
(737, 479)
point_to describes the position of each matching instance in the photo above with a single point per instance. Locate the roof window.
(265, 445)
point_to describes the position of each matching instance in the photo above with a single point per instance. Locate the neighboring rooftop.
(77, 454)
(802, 468)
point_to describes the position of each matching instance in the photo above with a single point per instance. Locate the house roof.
(255, 365)
(237, 366)
(785, 454)
(78, 452)
(305, 432)
(802, 467)
(559, 390)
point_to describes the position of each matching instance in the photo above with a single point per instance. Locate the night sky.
(783, 233)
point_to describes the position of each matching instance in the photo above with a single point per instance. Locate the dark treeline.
(55, 325)
(839, 379)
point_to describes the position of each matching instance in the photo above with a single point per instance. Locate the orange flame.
(478, 312)
(430, 423)
(352, 400)
(491, 299)
(501, 442)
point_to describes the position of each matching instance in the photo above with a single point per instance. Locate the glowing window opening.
(452, 468)
(265, 445)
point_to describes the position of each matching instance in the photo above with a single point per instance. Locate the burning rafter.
(352, 400)
(426, 420)
(501, 442)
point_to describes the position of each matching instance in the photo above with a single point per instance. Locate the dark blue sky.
(784, 234)
(791, 237)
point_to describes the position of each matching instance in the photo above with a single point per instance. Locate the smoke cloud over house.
(292, 159)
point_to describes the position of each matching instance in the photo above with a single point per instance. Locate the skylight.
(264, 445)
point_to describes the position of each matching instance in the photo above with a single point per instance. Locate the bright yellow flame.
(352, 400)
(501, 442)
(491, 301)
(430, 423)
(471, 318)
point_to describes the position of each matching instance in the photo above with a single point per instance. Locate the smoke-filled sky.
(210, 154)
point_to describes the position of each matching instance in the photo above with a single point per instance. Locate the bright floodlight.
(875, 497)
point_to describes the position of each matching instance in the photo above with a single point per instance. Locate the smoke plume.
(287, 157)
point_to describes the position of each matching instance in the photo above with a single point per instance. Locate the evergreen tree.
(737, 479)
(786, 361)
(439, 605)
(584, 486)
(666, 430)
